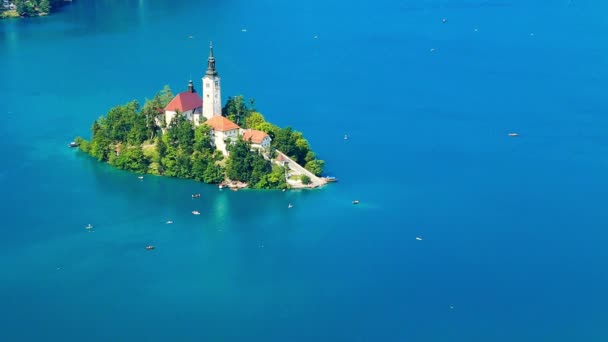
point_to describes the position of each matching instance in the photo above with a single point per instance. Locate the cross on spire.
(211, 62)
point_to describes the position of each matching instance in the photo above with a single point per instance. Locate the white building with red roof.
(188, 104)
(258, 139)
(191, 105)
(223, 131)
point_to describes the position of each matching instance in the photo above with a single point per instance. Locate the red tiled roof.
(254, 136)
(185, 101)
(221, 124)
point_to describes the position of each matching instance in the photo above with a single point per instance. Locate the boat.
(73, 144)
(284, 190)
(196, 195)
(316, 37)
(419, 238)
(221, 186)
(432, 49)
(140, 177)
(331, 179)
(89, 226)
(191, 37)
(169, 222)
(289, 206)
(513, 134)
(150, 247)
(444, 20)
(244, 30)
(345, 137)
(195, 212)
(356, 202)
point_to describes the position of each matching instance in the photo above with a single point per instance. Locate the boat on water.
(419, 238)
(150, 247)
(73, 144)
(169, 222)
(331, 179)
(513, 134)
(444, 20)
(221, 186)
(356, 202)
(89, 226)
(196, 212)
(140, 177)
(196, 195)
(289, 206)
(345, 136)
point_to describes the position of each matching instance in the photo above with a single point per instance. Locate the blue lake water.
(514, 229)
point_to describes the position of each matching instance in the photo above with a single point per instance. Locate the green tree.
(202, 139)
(237, 110)
(254, 120)
(44, 6)
(165, 96)
(315, 166)
(213, 174)
(305, 179)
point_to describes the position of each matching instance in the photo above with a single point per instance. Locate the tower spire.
(211, 62)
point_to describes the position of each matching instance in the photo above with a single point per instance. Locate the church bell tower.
(212, 98)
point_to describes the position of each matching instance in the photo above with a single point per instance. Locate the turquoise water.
(514, 229)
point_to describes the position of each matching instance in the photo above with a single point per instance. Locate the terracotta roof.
(221, 124)
(254, 136)
(185, 101)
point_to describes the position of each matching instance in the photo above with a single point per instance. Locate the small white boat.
(140, 177)
(244, 30)
(150, 247)
(289, 206)
(190, 37)
(89, 226)
(315, 37)
(221, 186)
(432, 50)
(195, 212)
(356, 202)
(513, 134)
(419, 238)
(169, 222)
(345, 136)
(444, 20)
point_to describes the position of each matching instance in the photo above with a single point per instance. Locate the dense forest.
(30, 8)
(128, 138)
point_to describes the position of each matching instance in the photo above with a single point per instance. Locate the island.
(194, 137)
(28, 8)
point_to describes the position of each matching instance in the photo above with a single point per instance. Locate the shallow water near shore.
(513, 228)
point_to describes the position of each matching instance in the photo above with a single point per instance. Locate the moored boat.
(356, 202)
(73, 144)
(331, 179)
(196, 212)
(150, 247)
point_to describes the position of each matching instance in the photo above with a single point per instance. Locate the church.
(208, 111)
